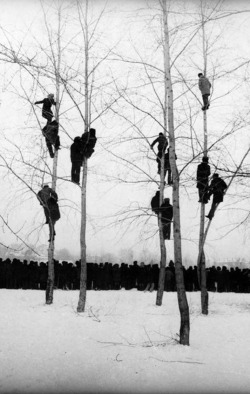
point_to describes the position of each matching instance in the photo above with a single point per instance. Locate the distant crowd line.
(17, 274)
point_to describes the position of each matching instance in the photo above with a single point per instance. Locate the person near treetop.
(204, 86)
(162, 144)
(76, 159)
(48, 199)
(217, 187)
(46, 109)
(166, 211)
(203, 172)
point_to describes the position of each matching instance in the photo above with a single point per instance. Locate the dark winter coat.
(45, 193)
(76, 150)
(204, 85)
(166, 212)
(162, 142)
(47, 104)
(155, 203)
(50, 131)
(217, 188)
(203, 172)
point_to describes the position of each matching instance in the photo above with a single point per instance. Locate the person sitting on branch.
(203, 172)
(46, 109)
(204, 86)
(217, 188)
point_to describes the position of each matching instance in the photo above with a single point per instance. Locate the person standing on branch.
(217, 188)
(204, 86)
(203, 172)
(162, 145)
(46, 109)
(76, 159)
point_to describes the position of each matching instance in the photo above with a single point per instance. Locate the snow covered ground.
(123, 343)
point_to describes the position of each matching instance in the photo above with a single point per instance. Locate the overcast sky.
(115, 185)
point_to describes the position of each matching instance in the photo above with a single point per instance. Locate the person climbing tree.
(155, 203)
(46, 109)
(217, 188)
(204, 86)
(76, 155)
(203, 172)
(48, 199)
(166, 210)
(88, 142)
(162, 145)
(50, 132)
(89, 149)
(167, 167)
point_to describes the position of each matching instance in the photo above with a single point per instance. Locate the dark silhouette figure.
(204, 86)
(89, 149)
(203, 172)
(167, 167)
(50, 132)
(76, 159)
(166, 218)
(46, 109)
(162, 145)
(155, 203)
(48, 199)
(217, 188)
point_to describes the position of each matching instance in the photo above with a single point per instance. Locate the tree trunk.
(201, 263)
(181, 293)
(83, 275)
(51, 274)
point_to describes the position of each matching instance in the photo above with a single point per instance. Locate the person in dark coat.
(167, 167)
(162, 144)
(202, 176)
(76, 159)
(50, 132)
(89, 150)
(217, 188)
(155, 203)
(46, 109)
(166, 218)
(204, 86)
(88, 142)
(48, 199)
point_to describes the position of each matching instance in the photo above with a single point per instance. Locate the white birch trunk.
(181, 293)
(201, 262)
(51, 272)
(83, 275)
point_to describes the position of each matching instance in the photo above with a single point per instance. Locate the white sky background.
(125, 25)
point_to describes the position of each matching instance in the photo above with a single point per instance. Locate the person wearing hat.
(46, 109)
(204, 86)
(217, 188)
(203, 172)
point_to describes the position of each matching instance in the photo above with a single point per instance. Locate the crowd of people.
(18, 274)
